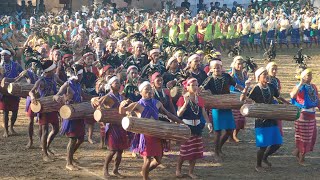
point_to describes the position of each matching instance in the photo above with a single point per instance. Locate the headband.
(3, 52)
(111, 80)
(259, 72)
(154, 51)
(305, 72)
(188, 82)
(50, 68)
(270, 64)
(193, 57)
(214, 62)
(170, 61)
(143, 85)
(130, 68)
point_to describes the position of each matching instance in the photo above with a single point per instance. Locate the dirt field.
(16, 162)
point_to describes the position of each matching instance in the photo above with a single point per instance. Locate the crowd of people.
(129, 61)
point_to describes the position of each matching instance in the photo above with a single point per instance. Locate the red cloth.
(9, 103)
(117, 138)
(79, 129)
(180, 102)
(206, 69)
(90, 121)
(305, 132)
(153, 146)
(200, 37)
(49, 118)
(102, 129)
(29, 113)
(192, 149)
(239, 119)
(300, 96)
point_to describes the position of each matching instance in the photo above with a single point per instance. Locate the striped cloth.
(305, 132)
(192, 149)
(270, 36)
(283, 37)
(295, 36)
(239, 119)
(306, 36)
(257, 39)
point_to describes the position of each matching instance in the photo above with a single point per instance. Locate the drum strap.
(205, 82)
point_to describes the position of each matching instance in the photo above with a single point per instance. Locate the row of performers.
(190, 110)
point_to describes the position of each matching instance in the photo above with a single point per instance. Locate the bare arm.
(283, 100)
(295, 91)
(170, 115)
(63, 89)
(123, 109)
(36, 86)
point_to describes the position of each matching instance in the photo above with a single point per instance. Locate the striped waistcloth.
(305, 132)
(192, 149)
(239, 119)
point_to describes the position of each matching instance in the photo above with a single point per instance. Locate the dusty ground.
(16, 162)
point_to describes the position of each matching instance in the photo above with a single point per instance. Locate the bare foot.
(118, 175)
(217, 158)
(46, 158)
(192, 176)
(91, 141)
(51, 152)
(71, 167)
(76, 162)
(5, 134)
(267, 162)
(235, 139)
(142, 175)
(161, 166)
(12, 132)
(178, 174)
(260, 169)
(29, 145)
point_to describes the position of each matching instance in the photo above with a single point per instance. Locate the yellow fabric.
(217, 31)
(208, 33)
(182, 34)
(192, 32)
(231, 32)
(173, 34)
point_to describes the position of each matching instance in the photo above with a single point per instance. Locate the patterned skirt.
(73, 128)
(257, 39)
(306, 36)
(153, 146)
(305, 132)
(49, 118)
(9, 103)
(117, 138)
(270, 36)
(192, 149)
(283, 37)
(244, 39)
(239, 119)
(295, 36)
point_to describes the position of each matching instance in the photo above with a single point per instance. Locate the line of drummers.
(139, 114)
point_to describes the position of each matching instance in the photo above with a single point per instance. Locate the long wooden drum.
(20, 89)
(75, 111)
(271, 111)
(45, 104)
(156, 128)
(5, 82)
(223, 101)
(110, 115)
(176, 92)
